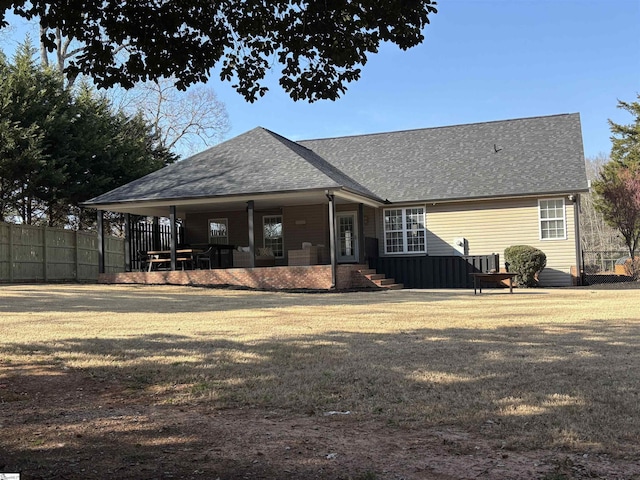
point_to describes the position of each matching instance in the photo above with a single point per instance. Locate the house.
(461, 190)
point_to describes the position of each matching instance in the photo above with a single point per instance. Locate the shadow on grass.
(149, 299)
(573, 388)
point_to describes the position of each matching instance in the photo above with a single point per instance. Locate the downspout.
(332, 238)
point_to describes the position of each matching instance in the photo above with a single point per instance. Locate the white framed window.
(272, 234)
(405, 230)
(553, 223)
(219, 231)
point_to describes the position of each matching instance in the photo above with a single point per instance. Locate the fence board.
(435, 271)
(31, 254)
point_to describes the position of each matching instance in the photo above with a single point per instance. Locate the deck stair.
(379, 279)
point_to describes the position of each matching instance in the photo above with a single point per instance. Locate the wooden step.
(394, 286)
(375, 276)
(384, 281)
(367, 271)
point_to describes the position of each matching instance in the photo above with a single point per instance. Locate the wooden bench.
(495, 278)
(164, 260)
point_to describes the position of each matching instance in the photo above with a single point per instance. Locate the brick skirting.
(313, 277)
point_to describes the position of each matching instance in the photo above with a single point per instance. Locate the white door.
(347, 232)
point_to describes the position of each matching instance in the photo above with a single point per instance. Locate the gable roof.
(258, 161)
(538, 155)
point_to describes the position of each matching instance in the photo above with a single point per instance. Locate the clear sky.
(482, 60)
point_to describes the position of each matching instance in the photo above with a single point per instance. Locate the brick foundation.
(312, 277)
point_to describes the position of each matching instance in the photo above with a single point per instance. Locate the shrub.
(526, 262)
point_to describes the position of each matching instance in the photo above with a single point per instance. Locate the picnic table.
(163, 257)
(496, 278)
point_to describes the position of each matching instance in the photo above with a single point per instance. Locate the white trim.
(405, 243)
(563, 218)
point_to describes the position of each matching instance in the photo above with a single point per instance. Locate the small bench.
(495, 278)
(160, 261)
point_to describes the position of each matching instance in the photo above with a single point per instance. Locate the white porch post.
(252, 246)
(332, 238)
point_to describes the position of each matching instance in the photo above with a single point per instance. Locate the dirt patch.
(58, 423)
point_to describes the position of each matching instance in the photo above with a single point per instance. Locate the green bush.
(526, 262)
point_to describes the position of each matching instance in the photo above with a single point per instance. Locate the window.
(219, 231)
(552, 220)
(404, 230)
(272, 229)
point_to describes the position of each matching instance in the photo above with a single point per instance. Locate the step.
(394, 286)
(367, 271)
(384, 281)
(374, 276)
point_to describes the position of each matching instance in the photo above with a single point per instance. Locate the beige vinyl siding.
(492, 226)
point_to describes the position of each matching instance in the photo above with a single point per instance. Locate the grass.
(537, 369)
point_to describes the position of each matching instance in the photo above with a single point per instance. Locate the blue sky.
(482, 60)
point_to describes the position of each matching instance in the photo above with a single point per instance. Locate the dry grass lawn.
(543, 369)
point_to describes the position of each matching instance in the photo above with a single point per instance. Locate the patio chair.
(205, 258)
(143, 259)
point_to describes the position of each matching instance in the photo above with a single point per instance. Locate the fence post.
(10, 252)
(45, 262)
(77, 256)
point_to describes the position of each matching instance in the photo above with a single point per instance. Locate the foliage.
(526, 262)
(618, 186)
(60, 147)
(319, 46)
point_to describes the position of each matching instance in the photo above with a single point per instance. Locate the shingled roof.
(258, 161)
(529, 156)
(539, 155)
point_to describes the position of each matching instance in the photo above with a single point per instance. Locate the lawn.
(177, 382)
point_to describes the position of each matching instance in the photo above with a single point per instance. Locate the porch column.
(174, 237)
(361, 253)
(332, 239)
(155, 234)
(252, 243)
(100, 228)
(127, 242)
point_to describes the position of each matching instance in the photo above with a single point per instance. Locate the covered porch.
(318, 239)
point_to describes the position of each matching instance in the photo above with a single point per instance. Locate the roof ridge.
(329, 170)
(440, 127)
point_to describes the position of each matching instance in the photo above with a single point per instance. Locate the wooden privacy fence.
(435, 271)
(43, 254)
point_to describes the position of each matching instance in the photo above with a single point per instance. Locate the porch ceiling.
(265, 201)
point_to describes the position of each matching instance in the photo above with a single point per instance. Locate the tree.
(61, 147)
(618, 188)
(183, 121)
(596, 235)
(319, 46)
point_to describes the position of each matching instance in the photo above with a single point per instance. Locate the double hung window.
(272, 232)
(405, 230)
(552, 219)
(218, 231)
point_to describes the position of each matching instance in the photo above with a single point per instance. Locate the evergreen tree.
(60, 147)
(618, 188)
